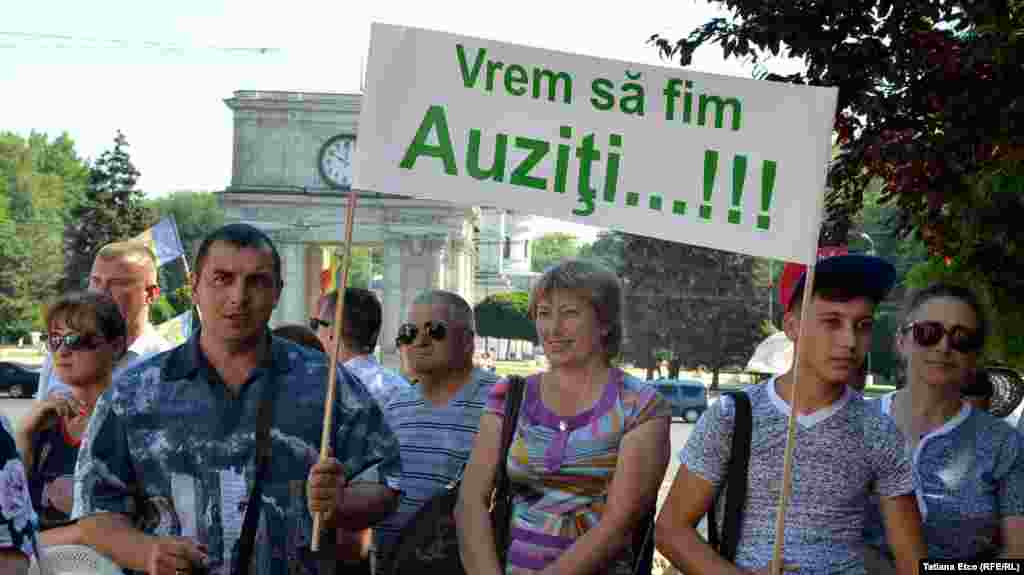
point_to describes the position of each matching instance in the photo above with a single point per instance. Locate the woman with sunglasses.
(968, 464)
(86, 334)
(590, 446)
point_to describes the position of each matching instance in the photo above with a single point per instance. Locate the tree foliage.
(704, 307)
(505, 316)
(112, 210)
(550, 248)
(606, 250)
(40, 181)
(170, 304)
(928, 104)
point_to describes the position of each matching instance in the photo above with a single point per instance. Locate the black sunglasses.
(72, 342)
(407, 332)
(315, 323)
(961, 339)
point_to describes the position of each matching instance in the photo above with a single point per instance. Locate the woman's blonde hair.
(597, 284)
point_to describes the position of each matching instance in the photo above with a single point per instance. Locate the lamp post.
(871, 252)
(871, 243)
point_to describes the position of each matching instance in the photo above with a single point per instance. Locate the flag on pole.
(163, 239)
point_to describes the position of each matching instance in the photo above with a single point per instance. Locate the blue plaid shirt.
(170, 447)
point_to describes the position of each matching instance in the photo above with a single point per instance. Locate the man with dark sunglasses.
(436, 420)
(360, 327)
(127, 272)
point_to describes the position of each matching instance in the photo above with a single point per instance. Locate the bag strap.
(514, 399)
(643, 547)
(264, 418)
(503, 486)
(736, 482)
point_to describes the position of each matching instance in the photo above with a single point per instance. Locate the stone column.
(392, 304)
(456, 267)
(292, 306)
(441, 264)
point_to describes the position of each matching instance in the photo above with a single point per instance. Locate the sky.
(160, 72)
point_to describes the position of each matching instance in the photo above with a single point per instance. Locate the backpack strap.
(735, 488)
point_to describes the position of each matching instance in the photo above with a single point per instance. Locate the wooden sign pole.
(332, 376)
(787, 462)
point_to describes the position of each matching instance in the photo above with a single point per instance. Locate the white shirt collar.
(811, 419)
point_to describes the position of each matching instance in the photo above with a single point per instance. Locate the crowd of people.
(205, 457)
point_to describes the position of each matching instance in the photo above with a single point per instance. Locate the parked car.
(689, 397)
(18, 380)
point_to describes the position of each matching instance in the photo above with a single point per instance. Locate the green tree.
(550, 248)
(928, 105)
(713, 298)
(39, 180)
(112, 210)
(505, 316)
(606, 249)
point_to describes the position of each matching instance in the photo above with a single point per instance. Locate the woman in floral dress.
(17, 520)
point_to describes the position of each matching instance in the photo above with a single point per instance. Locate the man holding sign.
(843, 450)
(677, 155)
(167, 471)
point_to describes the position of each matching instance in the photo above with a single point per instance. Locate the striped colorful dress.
(561, 467)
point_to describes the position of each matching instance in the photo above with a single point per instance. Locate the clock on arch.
(335, 162)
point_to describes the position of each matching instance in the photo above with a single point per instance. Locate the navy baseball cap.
(861, 274)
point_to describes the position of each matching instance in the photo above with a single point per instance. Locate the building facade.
(291, 177)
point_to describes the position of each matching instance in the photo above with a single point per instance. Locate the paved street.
(13, 409)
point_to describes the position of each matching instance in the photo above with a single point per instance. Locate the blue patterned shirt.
(382, 383)
(968, 476)
(169, 446)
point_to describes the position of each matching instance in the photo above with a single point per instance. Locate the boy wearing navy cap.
(843, 450)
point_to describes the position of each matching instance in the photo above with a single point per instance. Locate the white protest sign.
(714, 161)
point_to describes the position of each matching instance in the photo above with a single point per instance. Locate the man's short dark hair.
(301, 335)
(242, 236)
(362, 321)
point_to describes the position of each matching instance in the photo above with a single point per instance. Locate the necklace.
(72, 428)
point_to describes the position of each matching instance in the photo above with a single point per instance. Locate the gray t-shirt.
(840, 452)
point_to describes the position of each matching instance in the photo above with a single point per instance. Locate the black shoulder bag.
(735, 488)
(429, 543)
(264, 417)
